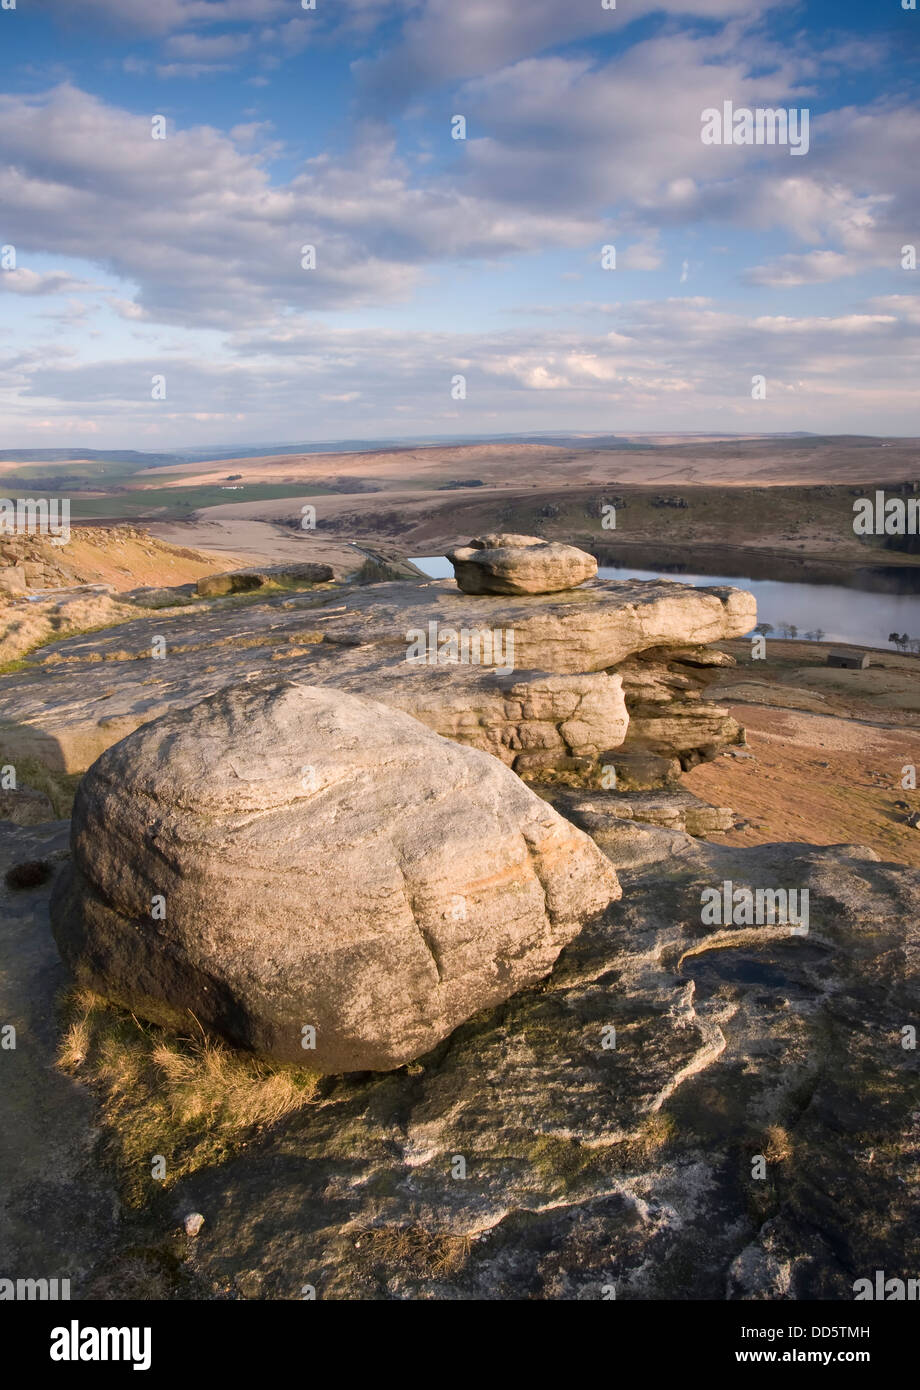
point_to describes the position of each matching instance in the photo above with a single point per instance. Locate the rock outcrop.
(675, 810)
(669, 714)
(290, 858)
(13, 581)
(24, 806)
(245, 580)
(591, 628)
(510, 564)
(556, 701)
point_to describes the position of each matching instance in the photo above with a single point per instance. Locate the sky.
(156, 293)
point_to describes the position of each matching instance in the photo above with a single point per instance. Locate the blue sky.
(435, 257)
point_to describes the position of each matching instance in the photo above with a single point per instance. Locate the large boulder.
(510, 564)
(288, 857)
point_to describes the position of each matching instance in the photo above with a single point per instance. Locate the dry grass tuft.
(778, 1146)
(424, 1253)
(190, 1099)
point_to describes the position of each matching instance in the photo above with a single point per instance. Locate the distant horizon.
(267, 448)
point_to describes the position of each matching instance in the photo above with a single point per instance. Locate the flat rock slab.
(586, 629)
(675, 810)
(77, 697)
(243, 581)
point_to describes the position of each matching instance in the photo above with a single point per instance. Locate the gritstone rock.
(320, 861)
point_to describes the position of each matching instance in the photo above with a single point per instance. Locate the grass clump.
(422, 1252)
(191, 1100)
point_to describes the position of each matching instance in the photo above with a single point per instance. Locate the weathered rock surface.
(25, 806)
(511, 564)
(243, 581)
(320, 860)
(638, 770)
(675, 810)
(13, 580)
(587, 1165)
(527, 719)
(668, 713)
(587, 629)
(559, 702)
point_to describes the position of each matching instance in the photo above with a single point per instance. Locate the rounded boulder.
(316, 877)
(511, 564)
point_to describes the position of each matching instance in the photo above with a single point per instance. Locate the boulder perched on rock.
(510, 564)
(290, 858)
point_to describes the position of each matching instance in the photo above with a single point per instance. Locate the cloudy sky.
(135, 257)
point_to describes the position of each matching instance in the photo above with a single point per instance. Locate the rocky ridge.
(553, 701)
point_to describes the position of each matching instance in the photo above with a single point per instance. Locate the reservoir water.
(840, 613)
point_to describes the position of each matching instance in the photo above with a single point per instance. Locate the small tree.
(764, 629)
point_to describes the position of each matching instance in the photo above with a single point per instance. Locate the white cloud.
(157, 17)
(811, 268)
(31, 282)
(207, 48)
(682, 363)
(196, 223)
